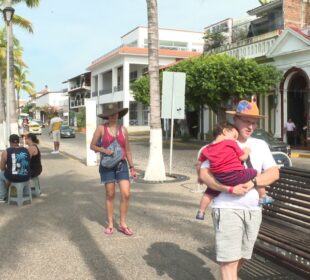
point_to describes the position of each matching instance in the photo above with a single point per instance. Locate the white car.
(35, 128)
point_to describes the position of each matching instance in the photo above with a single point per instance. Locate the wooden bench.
(284, 235)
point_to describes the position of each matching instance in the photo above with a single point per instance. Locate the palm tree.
(22, 83)
(155, 170)
(26, 24)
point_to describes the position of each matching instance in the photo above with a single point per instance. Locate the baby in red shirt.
(226, 164)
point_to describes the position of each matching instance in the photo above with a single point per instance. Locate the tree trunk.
(10, 82)
(2, 115)
(155, 170)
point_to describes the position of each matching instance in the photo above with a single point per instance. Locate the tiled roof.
(143, 52)
(297, 30)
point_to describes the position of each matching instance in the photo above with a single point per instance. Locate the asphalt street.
(184, 154)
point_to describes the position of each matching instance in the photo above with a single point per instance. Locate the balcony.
(76, 103)
(105, 91)
(253, 47)
(118, 88)
(78, 88)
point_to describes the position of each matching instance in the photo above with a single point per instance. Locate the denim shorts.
(115, 174)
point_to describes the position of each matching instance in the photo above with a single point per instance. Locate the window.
(133, 76)
(145, 115)
(133, 113)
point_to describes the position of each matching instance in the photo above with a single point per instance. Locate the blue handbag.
(110, 161)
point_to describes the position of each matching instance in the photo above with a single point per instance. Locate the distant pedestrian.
(55, 126)
(14, 165)
(290, 129)
(107, 134)
(35, 162)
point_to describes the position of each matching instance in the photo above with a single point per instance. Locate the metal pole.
(171, 138)
(8, 121)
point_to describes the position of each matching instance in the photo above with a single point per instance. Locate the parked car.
(274, 144)
(67, 132)
(39, 122)
(35, 128)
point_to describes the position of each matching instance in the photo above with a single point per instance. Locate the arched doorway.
(297, 104)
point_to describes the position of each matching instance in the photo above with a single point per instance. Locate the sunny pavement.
(60, 235)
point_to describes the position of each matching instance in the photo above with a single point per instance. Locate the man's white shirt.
(261, 159)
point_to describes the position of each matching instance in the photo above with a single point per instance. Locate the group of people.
(19, 163)
(237, 191)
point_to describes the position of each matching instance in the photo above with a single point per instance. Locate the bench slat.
(293, 183)
(289, 200)
(301, 215)
(301, 269)
(300, 241)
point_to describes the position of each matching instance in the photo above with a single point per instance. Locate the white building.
(279, 34)
(112, 73)
(58, 100)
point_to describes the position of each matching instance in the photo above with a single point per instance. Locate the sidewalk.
(60, 235)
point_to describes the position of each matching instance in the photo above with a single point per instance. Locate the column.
(126, 91)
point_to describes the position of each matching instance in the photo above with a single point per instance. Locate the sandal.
(125, 230)
(200, 215)
(108, 231)
(266, 200)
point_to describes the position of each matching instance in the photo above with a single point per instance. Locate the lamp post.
(8, 13)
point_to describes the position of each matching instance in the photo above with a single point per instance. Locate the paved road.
(184, 155)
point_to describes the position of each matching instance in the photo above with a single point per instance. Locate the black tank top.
(35, 164)
(17, 165)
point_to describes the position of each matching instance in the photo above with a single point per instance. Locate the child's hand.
(247, 150)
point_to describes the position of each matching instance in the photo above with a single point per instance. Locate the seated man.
(14, 165)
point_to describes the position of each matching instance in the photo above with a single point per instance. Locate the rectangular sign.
(173, 98)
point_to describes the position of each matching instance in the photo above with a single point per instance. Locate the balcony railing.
(253, 47)
(118, 88)
(105, 91)
(76, 103)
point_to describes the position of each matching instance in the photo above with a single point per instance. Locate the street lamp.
(8, 13)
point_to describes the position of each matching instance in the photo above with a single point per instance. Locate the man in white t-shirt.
(55, 126)
(289, 129)
(236, 212)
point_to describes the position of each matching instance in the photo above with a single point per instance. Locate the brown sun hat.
(246, 109)
(110, 109)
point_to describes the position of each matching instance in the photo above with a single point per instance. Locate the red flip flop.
(108, 231)
(126, 230)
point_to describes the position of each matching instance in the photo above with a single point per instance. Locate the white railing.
(250, 48)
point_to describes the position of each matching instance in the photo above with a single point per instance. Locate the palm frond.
(22, 22)
(29, 3)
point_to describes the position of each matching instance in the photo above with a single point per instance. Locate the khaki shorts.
(56, 136)
(236, 231)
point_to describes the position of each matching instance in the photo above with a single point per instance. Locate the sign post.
(91, 120)
(173, 102)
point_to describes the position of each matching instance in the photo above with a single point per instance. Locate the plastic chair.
(199, 188)
(21, 196)
(282, 159)
(35, 186)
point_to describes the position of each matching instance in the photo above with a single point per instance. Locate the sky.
(70, 34)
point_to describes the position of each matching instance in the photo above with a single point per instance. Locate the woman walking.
(106, 134)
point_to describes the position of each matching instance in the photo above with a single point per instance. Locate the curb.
(299, 155)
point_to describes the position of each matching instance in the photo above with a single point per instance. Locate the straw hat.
(246, 109)
(111, 109)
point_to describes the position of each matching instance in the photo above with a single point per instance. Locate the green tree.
(17, 20)
(22, 83)
(213, 40)
(214, 80)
